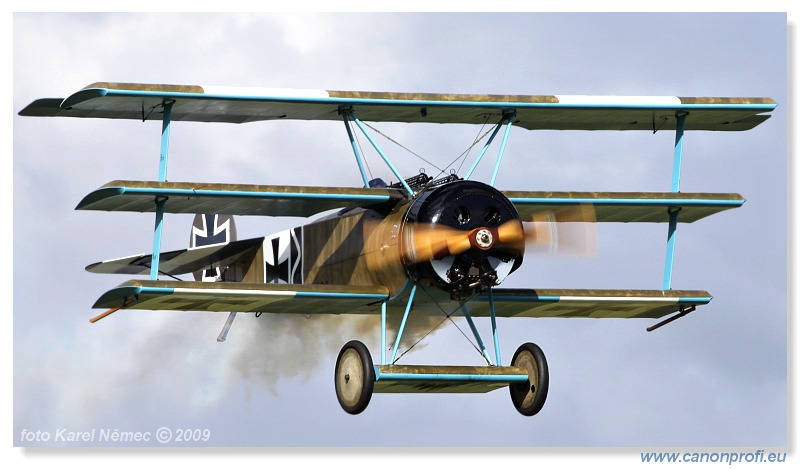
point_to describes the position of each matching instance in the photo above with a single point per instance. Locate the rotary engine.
(462, 237)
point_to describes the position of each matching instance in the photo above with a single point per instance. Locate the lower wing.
(342, 299)
(587, 303)
(243, 297)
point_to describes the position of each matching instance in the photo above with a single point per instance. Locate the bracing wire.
(478, 139)
(448, 316)
(462, 156)
(402, 146)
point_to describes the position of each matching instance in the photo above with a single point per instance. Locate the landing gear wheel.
(529, 397)
(354, 377)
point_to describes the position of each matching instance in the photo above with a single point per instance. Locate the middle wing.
(625, 207)
(301, 201)
(233, 199)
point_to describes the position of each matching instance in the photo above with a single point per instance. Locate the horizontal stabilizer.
(244, 297)
(556, 112)
(530, 303)
(232, 199)
(626, 207)
(180, 262)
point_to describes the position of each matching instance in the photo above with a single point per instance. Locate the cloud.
(611, 382)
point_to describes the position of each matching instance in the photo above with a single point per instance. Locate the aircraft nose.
(463, 237)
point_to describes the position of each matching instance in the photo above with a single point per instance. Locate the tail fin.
(207, 230)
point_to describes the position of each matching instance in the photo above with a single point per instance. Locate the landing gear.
(529, 397)
(354, 377)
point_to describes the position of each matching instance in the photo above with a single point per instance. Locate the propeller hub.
(484, 239)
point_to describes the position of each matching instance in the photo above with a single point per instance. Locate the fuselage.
(461, 236)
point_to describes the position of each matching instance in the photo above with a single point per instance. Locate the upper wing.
(623, 206)
(587, 303)
(243, 297)
(239, 105)
(232, 199)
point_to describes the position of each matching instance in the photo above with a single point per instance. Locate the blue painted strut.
(676, 187)
(494, 329)
(678, 154)
(475, 333)
(509, 120)
(346, 114)
(380, 152)
(485, 147)
(161, 201)
(403, 322)
(383, 332)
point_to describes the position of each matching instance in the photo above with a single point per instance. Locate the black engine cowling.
(467, 208)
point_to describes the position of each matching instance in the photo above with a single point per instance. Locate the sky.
(716, 378)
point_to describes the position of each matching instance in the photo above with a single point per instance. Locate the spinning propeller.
(565, 231)
(426, 242)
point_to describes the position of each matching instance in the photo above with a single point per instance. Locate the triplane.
(422, 246)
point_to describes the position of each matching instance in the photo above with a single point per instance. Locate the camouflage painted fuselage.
(368, 247)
